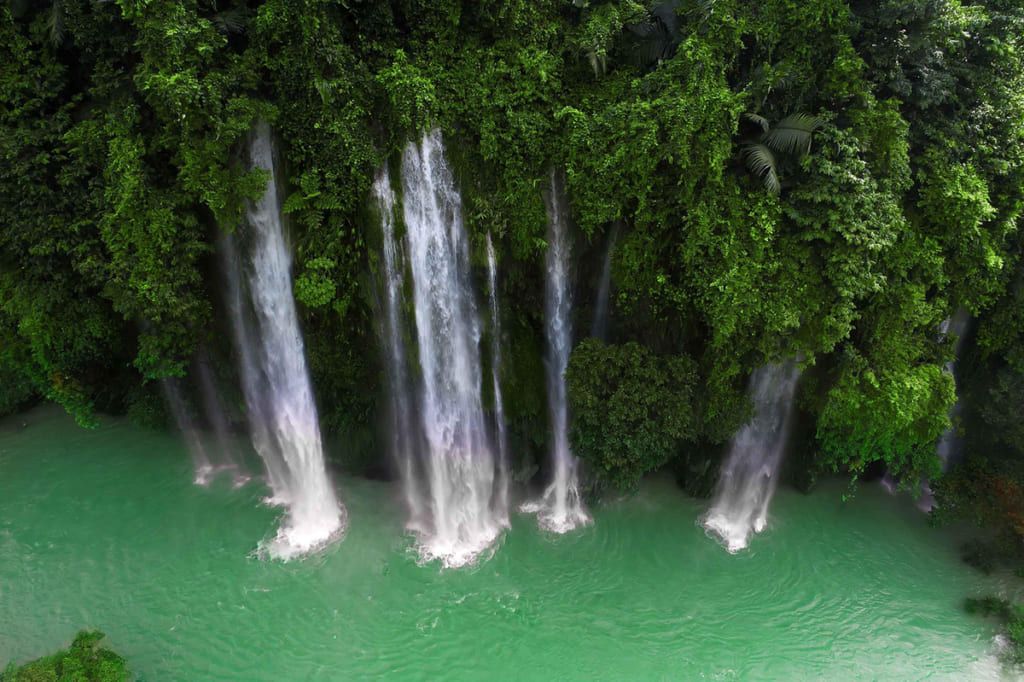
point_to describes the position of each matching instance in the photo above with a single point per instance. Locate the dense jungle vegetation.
(825, 179)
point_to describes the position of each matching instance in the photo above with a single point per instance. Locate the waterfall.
(599, 326)
(216, 417)
(254, 385)
(460, 467)
(950, 444)
(560, 509)
(502, 479)
(750, 472)
(282, 414)
(403, 429)
(182, 419)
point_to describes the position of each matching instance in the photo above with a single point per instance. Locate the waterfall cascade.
(403, 428)
(282, 414)
(186, 425)
(750, 472)
(456, 511)
(501, 437)
(599, 326)
(560, 509)
(217, 419)
(948, 448)
(950, 443)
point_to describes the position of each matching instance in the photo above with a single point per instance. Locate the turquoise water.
(105, 529)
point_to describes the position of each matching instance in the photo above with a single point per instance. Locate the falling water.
(599, 327)
(750, 473)
(950, 443)
(460, 464)
(501, 480)
(182, 419)
(403, 430)
(282, 413)
(560, 509)
(254, 384)
(216, 417)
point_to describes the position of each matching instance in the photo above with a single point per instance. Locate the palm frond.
(643, 29)
(761, 162)
(230, 20)
(665, 12)
(656, 38)
(792, 135)
(759, 120)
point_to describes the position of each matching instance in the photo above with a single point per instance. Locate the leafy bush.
(84, 661)
(631, 409)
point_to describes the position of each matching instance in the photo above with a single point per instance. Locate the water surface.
(104, 528)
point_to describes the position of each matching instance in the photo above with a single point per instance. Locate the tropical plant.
(656, 38)
(789, 138)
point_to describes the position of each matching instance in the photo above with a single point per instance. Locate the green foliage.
(791, 137)
(410, 93)
(890, 135)
(314, 287)
(631, 409)
(86, 660)
(894, 415)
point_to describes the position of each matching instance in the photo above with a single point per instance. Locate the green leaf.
(793, 134)
(761, 162)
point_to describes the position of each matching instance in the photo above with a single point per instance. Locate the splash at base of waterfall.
(206, 474)
(457, 552)
(297, 540)
(733, 533)
(558, 518)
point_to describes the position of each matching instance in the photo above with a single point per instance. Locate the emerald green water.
(105, 529)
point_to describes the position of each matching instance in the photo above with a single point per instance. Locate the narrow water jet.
(403, 427)
(599, 325)
(501, 482)
(186, 425)
(560, 509)
(216, 417)
(460, 463)
(750, 472)
(282, 413)
(950, 444)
